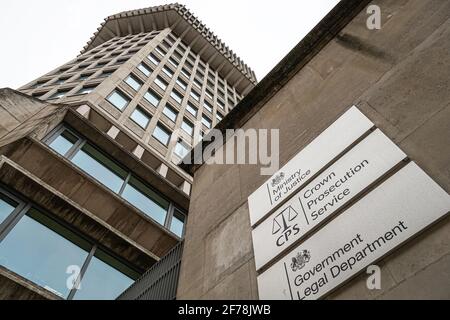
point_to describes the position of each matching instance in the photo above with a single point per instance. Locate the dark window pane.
(41, 250)
(146, 200)
(105, 279)
(7, 207)
(100, 167)
(63, 142)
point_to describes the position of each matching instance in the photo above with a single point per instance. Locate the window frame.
(78, 145)
(23, 208)
(123, 95)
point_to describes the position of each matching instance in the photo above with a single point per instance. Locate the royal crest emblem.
(299, 261)
(277, 179)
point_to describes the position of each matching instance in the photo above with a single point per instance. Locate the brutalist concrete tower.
(90, 189)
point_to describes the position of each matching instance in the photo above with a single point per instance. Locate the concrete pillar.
(84, 110)
(138, 151)
(163, 169)
(113, 132)
(186, 187)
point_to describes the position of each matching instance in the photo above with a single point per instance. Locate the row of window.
(41, 249)
(142, 118)
(136, 84)
(210, 83)
(182, 47)
(116, 178)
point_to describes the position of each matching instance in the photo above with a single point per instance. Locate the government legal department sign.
(352, 211)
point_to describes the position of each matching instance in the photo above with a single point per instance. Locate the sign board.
(369, 160)
(314, 157)
(392, 213)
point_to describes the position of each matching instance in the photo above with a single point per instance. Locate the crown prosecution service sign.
(395, 211)
(326, 147)
(369, 160)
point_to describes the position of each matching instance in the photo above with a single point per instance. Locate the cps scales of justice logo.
(284, 227)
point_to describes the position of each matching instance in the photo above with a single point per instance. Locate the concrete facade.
(398, 77)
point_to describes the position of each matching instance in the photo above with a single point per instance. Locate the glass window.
(177, 223)
(152, 97)
(168, 71)
(208, 106)
(106, 74)
(162, 135)
(219, 117)
(198, 83)
(182, 84)
(7, 207)
(141, 117)
(153, 59)
(195, 95)
(160, 51)
(181, 149)
(41, 250)
(86, 90)
(118, 100)
(206, 121)
(100, 167)
(176, 96)
(191, 109)
(134, 82)
(61, 80)
(161, 83)
(173, 62)
(187, 127)
(170, 113)
(59, 94)
(209, 94)
(144, 69)
(185, 73)
(63, 142)
(189, 64)
(146, 200)
(105, 278)
(221, 104)
(178, 55)
(85, 76)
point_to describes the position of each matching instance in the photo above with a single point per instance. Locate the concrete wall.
(399, 77)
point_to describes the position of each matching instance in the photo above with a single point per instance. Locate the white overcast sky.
(40, 35)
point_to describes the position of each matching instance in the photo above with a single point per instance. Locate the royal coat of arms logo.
(299, 261)
(277, 179)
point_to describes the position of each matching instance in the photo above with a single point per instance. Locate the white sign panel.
(327, 146)
(399, 208)
(321, 198)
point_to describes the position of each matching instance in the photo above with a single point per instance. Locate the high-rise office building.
(90, 189)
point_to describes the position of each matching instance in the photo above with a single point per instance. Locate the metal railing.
(160, 281)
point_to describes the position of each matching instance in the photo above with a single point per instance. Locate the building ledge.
(15, 287)
(13, 176)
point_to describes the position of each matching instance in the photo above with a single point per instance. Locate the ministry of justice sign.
(327, 146)
(317, 201)
(392, 213)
